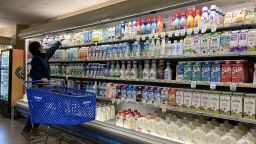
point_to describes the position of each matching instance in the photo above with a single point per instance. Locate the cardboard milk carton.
(237, 105)
(206, 71)
(242, 41)
(180, 99)
(180, 71)
(205, 101)
(226, 71)
(172, 97)
(215, 43)
(249, 106)
(225, 103)
(251, 42)
(239, 71)
(225, 39)
(216, 71)
(196, 71)
(187, 99)
(196, 45)
(205, 43)
(234, 41)
(215, 102)
(187, 71)
(196, 100)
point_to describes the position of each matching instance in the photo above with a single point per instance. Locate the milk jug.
(198, 135)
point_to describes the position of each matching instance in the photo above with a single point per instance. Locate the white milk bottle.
(152, 48)
(152, 72)
(213, 18)
(168, 72)
(162, 47)
(168, 48)
(139, 125)
(146, 70)
(198, 135)
(205, 19)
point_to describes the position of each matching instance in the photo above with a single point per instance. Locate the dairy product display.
(105, 112)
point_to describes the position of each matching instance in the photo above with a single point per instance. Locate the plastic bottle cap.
(190, 12)
(173, 17)
(154, 19)
(160, 17)
(213, 7)
(205, 9)
(183, 13)
(148, 20)
(177, 14)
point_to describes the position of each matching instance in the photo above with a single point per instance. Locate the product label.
(225, 104)
(237, 106)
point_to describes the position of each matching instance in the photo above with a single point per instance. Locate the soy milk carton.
(196, 71)
(180, 99)
(196, 100)
(216, 71)
(196, 44)
(249, 106)
(239, 71)
(226, 71)
(237, 105)
(225, 39)
(251, 41)
(215, 102)
(215, 43)
(206, 71)
(205, 101)
(234, 41)
(205, 43)
(187, 99)
(225, 103)
(187, 71)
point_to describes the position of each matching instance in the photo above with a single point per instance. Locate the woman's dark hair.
(34, 48)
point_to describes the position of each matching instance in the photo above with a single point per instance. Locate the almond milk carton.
(215, 102)
(205, 101)
(196, 100)
(242, 43)
(249, 106)
(234, 41)
(225, 103)
(180, 99)
(237, 105)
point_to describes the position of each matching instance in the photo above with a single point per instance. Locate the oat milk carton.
(205, 101)
(205, 43)
(225, 39)
(196, 100)
(215, 43)
(225, 103)
(187, 99)
(237, 105)
(196, 45)
(180, 99)
(249, 106)
(215, 102)
(164, 95)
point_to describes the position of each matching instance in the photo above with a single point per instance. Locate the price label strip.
(233, 86)
(182, 32)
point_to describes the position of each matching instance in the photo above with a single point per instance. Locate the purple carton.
(124, 92)
(206, 71)
(216, 71)
(234, 41)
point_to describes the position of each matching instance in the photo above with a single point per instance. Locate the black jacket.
(39, 65)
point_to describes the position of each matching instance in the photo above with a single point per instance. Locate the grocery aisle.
(10, 131)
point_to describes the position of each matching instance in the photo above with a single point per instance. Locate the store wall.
(8, 31)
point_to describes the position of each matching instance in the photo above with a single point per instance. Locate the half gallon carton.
(187, 99)
(242, 43)
(225, 39)
(234, 41)
(251, 42)
(196, 71)
(215, 43)
(206, 71)
(225, 103)
(215, 102)
(180, 71)
(205, 101)
(172, 97)
(226, 71)
(216, 71)
(180, 98)
(187, 71)
(205, 44)
(196, 45)
(237, 105)
(196, 100)
(249, 106)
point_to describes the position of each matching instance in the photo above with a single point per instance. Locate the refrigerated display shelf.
(177, 57)
(238, 26)
(199, 83)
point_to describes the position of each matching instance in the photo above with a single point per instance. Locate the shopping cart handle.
(33, 81)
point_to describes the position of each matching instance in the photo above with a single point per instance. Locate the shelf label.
(150, 36)
(182, 32)
(156, 35)
(196, 30)
(163, 35)
(233, 86)
(213, 86)
(213, 28)
(164, 107)
(170, 34)
(143, 37)
(189, 31)
(193, 84)
(177, 33)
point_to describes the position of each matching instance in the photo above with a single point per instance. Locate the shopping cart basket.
(58, 105)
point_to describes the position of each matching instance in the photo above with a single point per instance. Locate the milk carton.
(180, 71)
(237, 105)
(180, 99)
(239, 71)
(205, 101)
(249, 106)
(187, 99)
(226, 71)
(215, 102)
(234, 41)
(251, 41)
(216, 71)
(145, 96)
(196, 44)
(196, 100)
(157, 97)
(215, 43)
(206, 71)
(205, 43)
(225, 103)
(242, 42)
(187, 45)
(225, 39)
(187, 71)
(196, 71)
(172, 97)
(164, 96)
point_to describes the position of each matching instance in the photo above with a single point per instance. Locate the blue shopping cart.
(58, 105)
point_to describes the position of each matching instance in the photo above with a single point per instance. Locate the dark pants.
(28, 125)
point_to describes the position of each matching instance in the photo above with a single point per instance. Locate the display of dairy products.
(105, 112)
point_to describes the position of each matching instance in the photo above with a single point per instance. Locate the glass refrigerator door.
(5, 75)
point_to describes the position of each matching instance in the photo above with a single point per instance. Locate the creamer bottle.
(183, 20)
(134, 71)
(190, 20)
(198, 135)
(180, 46)
(168, 72)
(152, 72)
(213, 18)
(160, 24)
(122, 71)
(205, 20)
(177, 21)
(148, 26)
(157, 48)
(117, 70)
(197, 20)
(172, 25)
(128, 70)
(152, 48)
(162, 47)
(146, 70)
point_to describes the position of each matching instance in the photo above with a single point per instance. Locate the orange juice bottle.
(190, 19)
(160, 24)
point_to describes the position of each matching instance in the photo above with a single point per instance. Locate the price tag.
(143, 37)
(163, 35)
(213, 28)
(156, 36)
(164, 107)
(150, 36)
(182, 32)
(213, 86)
(196, 30)
(177, 33)
(137, 38)
(189, 31)
(170, 34)
(233, 86)
(193, 84)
